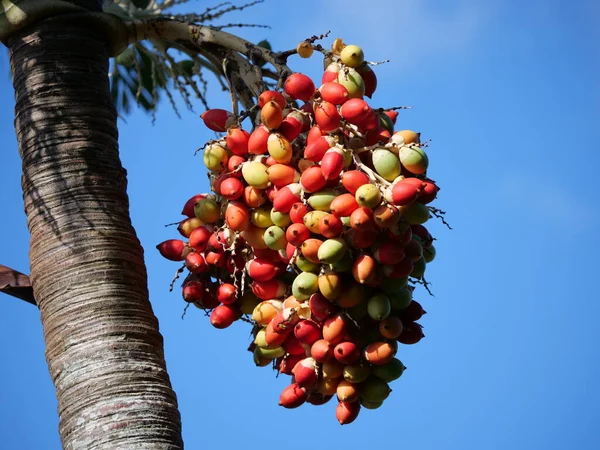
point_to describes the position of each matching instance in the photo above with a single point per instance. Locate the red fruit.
(281, 174)
(391, 327)
(193, 291)
(356, 111)
(296, 234)
(199, 238)
(343, 205)
(334, 93)
(270, 289)
(314, 134)
(332, 164)
(312, 179)
(400, 270)
(363, 268)
(226, 293)
(321, 351)
(377, 135)
(188, 208)
(254, 197)
(286, 197)
(217, 119)
(298, 211)
(216, 259)
(237, 216)
(271, 192)
(293, 396)
(307, 332)
(404, 192)
(327, 116)
(275, 96)
(413, 312)
(362, 219)
(299, 87)
(223, 316)
(389, 253)
(346, 352)
(392, 115)
(310, 249)
(273, 338)
(334, 329)
(331, 73)
(284, 321)
(195, 263)
(353, 179)
(369, 77)
(292, 346)
(257, 143)
(261, 269)
(292, 125)
(379, 353)
(288, 362)
(320, 307)
(305, 372)
(316, 398)
(423, 233)
(232, 188)
(428, 193)
(315, 150)
(234, 164)
(172, 249)
(237, 141)
(347, 412)
(271, 115)
(414, 250)
(330, 226)
(412, 333)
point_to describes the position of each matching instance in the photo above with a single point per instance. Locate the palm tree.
(103, 346)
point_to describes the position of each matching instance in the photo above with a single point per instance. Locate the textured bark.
(103, 347)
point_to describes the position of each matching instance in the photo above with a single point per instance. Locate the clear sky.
(509, 93)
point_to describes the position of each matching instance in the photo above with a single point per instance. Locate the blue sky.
(509, 93)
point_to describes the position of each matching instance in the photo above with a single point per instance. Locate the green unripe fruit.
(255, 174)
(392, 285)
(207, 210)
(321, 201)
(357, 373)
(386, 164)
(352, 55)
(304, 285)
(305, 265)
(390, 371)
(261, 217)
(414, 159)
(370, 405)
(415, 213)
(379, 307)
(419, 268)
(270, 353)
(429, 253)
(400, 299)
(358, 312)
(275, 238)
(368, 196)
(343, 265)
(353, 82)
(215, 158)
(280, 219)
(374, 390)
(332, 251)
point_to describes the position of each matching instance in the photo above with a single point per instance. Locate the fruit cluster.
(315, 235)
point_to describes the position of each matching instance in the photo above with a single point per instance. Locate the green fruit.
(429, 253)
(207, 210)
(345, 221)
(414, 159)
(321, 200)
(400, 299)
(280, 219)
(358, 312)
(385, 122)
(304, 285)
(353, 82)
(390, 371)
(215, 158)
(343, 265)
(415, 213)
(357, 373)
(311, 220)
(332, 251)
(386, 164)
(270, 353)
(374, 389)
(368, 196)
(370, 405)
(261, 217)
(419, 268)
(305, 265)
(255, 174)
(275, 238)
(379, 307)
(392, 285)
(352, 55)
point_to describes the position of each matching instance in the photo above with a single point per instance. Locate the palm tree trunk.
(103, 347)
